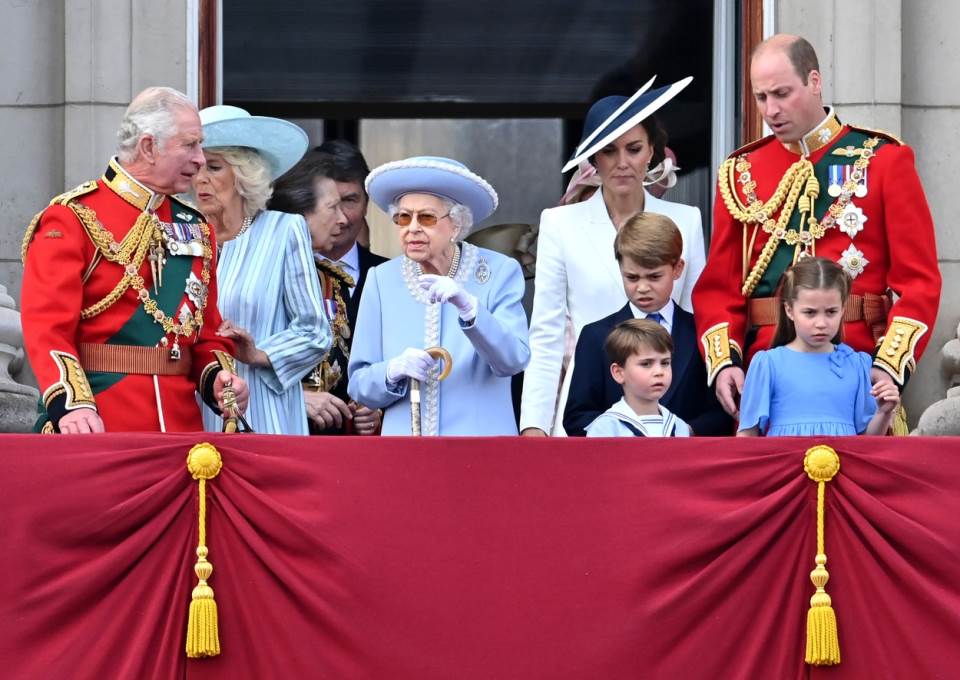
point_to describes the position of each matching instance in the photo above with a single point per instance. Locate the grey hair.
(251, 173)
(461, 215)
(150, 113)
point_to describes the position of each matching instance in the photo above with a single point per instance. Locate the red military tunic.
(76, 252)
(869, 214)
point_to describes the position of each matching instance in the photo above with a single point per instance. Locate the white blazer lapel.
(600, 239)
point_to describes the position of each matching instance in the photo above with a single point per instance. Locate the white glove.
(445, 289)
(412, 363)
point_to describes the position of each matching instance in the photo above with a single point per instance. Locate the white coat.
(578, 274)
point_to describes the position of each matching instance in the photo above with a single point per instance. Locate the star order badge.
(196, 291)
(852, 220)
(853, 261)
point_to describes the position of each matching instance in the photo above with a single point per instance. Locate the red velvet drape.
(476, 558)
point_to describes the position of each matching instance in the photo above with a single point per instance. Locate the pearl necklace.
(463, 264)
(244, 225)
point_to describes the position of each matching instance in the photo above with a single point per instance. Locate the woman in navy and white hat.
(576, 270)
(269, 296)
(441, 291)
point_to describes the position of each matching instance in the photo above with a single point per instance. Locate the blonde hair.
(811, 273)
(650, 240)
(251, 174)
(630, 336)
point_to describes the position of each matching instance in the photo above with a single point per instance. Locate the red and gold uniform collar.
(126, 187)
(822, 135)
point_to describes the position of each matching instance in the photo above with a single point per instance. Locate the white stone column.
(931, 117)
(69, 68)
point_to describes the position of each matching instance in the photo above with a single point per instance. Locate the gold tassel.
(899, 427)
(203, 637)
(821, 463)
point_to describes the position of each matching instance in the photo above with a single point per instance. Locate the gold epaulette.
(883, 134)
(62, 199)
(755, 144)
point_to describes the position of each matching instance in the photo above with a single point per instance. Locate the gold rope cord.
(203, 638)
(821, 463)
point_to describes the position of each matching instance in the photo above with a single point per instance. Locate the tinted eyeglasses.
(403, 218)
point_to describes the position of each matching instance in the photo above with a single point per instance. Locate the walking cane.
(437, 353)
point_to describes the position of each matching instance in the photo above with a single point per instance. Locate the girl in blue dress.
(810, 383)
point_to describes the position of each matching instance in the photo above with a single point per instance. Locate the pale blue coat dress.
(267, 284)
(790, 393)
(475, 398)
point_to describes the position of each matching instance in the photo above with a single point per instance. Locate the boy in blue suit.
(648, 249)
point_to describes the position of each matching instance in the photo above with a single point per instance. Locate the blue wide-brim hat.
(610, 117)
(434, 175)
(280, 142)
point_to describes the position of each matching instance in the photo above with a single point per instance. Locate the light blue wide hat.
(280, 142)
(610, 117)
(433, 175)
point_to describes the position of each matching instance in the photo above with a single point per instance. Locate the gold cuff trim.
(224, 362)
(227, 362)
(896, 352)
(718, 349)
(73, 381)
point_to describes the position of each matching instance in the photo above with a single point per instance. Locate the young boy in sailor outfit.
(649, 249)
(641, 353)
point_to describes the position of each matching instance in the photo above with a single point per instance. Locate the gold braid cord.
(325, 376)
(797, 189)
(821, 463)
(203, 636)
(130, 254)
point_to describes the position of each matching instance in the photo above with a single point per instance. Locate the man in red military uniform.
(815, 186)
(119, 293)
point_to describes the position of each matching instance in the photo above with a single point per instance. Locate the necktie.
(656, 316)
(342, 266)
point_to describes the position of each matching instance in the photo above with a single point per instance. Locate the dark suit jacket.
(593, 390)
(367, 260)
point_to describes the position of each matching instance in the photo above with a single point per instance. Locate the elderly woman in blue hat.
(441, 291)
(268, 296)
(577, 273)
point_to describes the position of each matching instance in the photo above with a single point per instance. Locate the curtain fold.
(476, 558)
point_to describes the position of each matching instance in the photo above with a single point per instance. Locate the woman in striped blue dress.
(268, 294)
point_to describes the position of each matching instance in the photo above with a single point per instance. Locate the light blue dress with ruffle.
(790, 393)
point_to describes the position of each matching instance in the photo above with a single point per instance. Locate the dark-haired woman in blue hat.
(441, 291)
(577, 273)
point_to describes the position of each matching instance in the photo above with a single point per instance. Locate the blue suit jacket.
(593, 390)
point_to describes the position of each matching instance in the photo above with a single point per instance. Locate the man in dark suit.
(342, 265)
(350, 172)
(648, 248)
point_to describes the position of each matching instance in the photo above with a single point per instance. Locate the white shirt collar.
(666, 312)
(350, 261)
